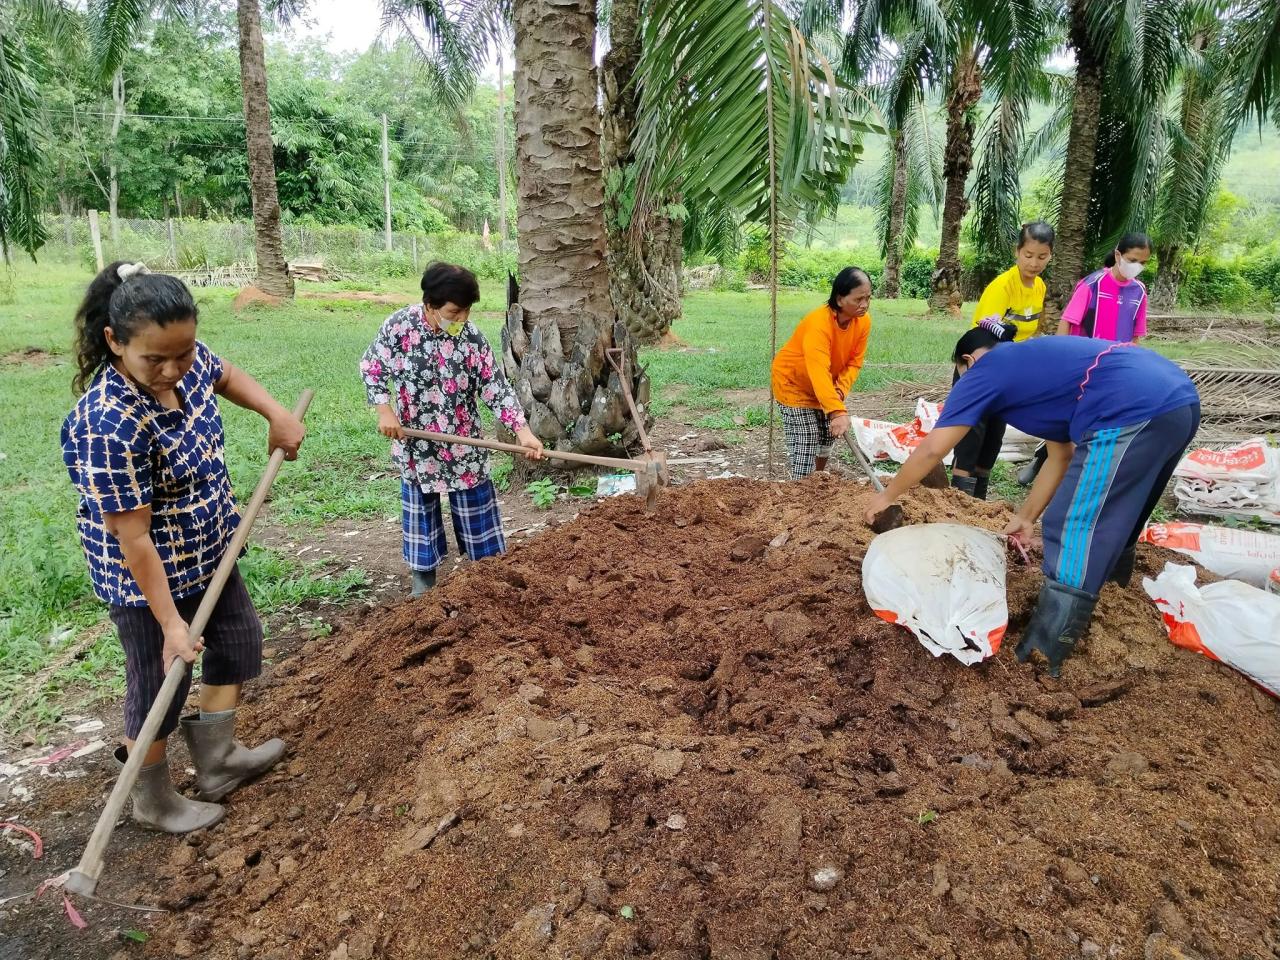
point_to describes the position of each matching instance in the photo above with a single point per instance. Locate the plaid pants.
(477, 525)
(808, 437)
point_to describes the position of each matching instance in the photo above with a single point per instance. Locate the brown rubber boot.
(222, 762)
(157, 806)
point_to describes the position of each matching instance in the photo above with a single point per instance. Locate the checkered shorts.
(808, 437)
(477, 525)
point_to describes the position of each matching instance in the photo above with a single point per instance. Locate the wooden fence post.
(96, 234)
(413, 240)
(173, 245)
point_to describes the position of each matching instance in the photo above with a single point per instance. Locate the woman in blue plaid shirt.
(428, 369)
(144, 449)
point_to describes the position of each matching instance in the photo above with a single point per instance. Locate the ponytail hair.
(1036, 230)
(985, 335)
(1136, 240)
(125, 297)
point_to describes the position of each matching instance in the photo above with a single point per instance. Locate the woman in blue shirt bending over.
(1117, 419)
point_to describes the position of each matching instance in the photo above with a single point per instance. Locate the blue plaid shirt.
(125, 451)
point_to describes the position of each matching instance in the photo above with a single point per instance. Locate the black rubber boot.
(1122, 572)
(1060, 620)
(1027, 475)
(423, 580)
(966, 484)
(980, 487)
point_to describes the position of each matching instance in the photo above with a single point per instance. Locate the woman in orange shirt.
(816, 368)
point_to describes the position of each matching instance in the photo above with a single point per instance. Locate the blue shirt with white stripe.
(1063, 388)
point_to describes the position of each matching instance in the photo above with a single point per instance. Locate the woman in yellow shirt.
(815, 369)
(1014, 297)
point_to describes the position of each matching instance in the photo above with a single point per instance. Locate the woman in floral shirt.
(426, 370)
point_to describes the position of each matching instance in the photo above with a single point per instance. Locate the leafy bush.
(917, 274)
(1209, 282)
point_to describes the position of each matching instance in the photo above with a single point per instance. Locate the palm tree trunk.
(556, 337)
(268, 244)
(113, 177)
(892, 281)
(1082, 148)
(965, 92)
(644, 281)
(1164, 291)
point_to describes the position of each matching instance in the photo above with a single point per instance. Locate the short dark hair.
(846, 281)
(1134, 240)
(986, 334)
(1036, 230)
(126, 306)
(449, 283)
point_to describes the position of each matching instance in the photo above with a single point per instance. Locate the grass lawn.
(45, 600)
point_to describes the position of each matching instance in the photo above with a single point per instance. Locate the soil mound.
(686, 736)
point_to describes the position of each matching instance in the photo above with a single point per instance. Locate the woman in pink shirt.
(1111, 303)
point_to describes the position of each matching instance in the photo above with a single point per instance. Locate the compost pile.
(686, 736)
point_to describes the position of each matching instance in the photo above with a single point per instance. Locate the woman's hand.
(176, 643)
(285, 433)
(388, 424)
(878, 505)
(1020, 529)
(838, 426)
(532, 445)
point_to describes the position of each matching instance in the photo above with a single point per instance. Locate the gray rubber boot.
(423, 580)
(222, 762)
(1060, 620)
(966, 484)
(157, 806)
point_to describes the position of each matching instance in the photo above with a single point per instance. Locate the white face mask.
(1129, 269)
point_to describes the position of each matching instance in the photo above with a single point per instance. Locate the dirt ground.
(686, 736)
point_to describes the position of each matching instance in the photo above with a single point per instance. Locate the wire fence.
(226, 247)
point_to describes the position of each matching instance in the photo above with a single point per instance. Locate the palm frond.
(113, 27)
(704, 103)
(1254, 38)
(454, 40)
(21, 151)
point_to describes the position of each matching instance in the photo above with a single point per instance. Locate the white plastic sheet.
(943, 582)
(1228, 621)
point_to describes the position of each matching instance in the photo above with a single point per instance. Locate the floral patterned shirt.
(432, 379)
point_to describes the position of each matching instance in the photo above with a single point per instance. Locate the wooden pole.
(386, 184)
(83, 880)
(500, 148)
(413, 242)
(96, 234)
(773, 221)
(173, 244)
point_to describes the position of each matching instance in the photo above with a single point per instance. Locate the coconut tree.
(116, 24)
(644, 278)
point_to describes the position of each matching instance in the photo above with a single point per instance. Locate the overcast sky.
(347, 26)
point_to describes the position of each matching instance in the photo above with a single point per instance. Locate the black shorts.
(232, 652)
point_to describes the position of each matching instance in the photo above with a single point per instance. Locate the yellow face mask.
(454, 328)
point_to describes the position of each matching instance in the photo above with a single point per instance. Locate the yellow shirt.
(1008, 299)
(818, 365)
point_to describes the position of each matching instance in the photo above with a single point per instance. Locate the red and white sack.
(1246, 555)
(1228, 621)
(943, 582)
(881, 440)
(1241, 481)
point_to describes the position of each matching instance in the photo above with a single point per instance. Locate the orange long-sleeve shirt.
(818, 365)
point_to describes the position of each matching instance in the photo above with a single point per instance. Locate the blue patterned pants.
(477, 525)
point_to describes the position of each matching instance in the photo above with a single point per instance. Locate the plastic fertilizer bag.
(1228, 621)
(943, 582)
(1247, 555)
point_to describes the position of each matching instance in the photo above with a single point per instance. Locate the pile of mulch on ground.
(686, 736)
